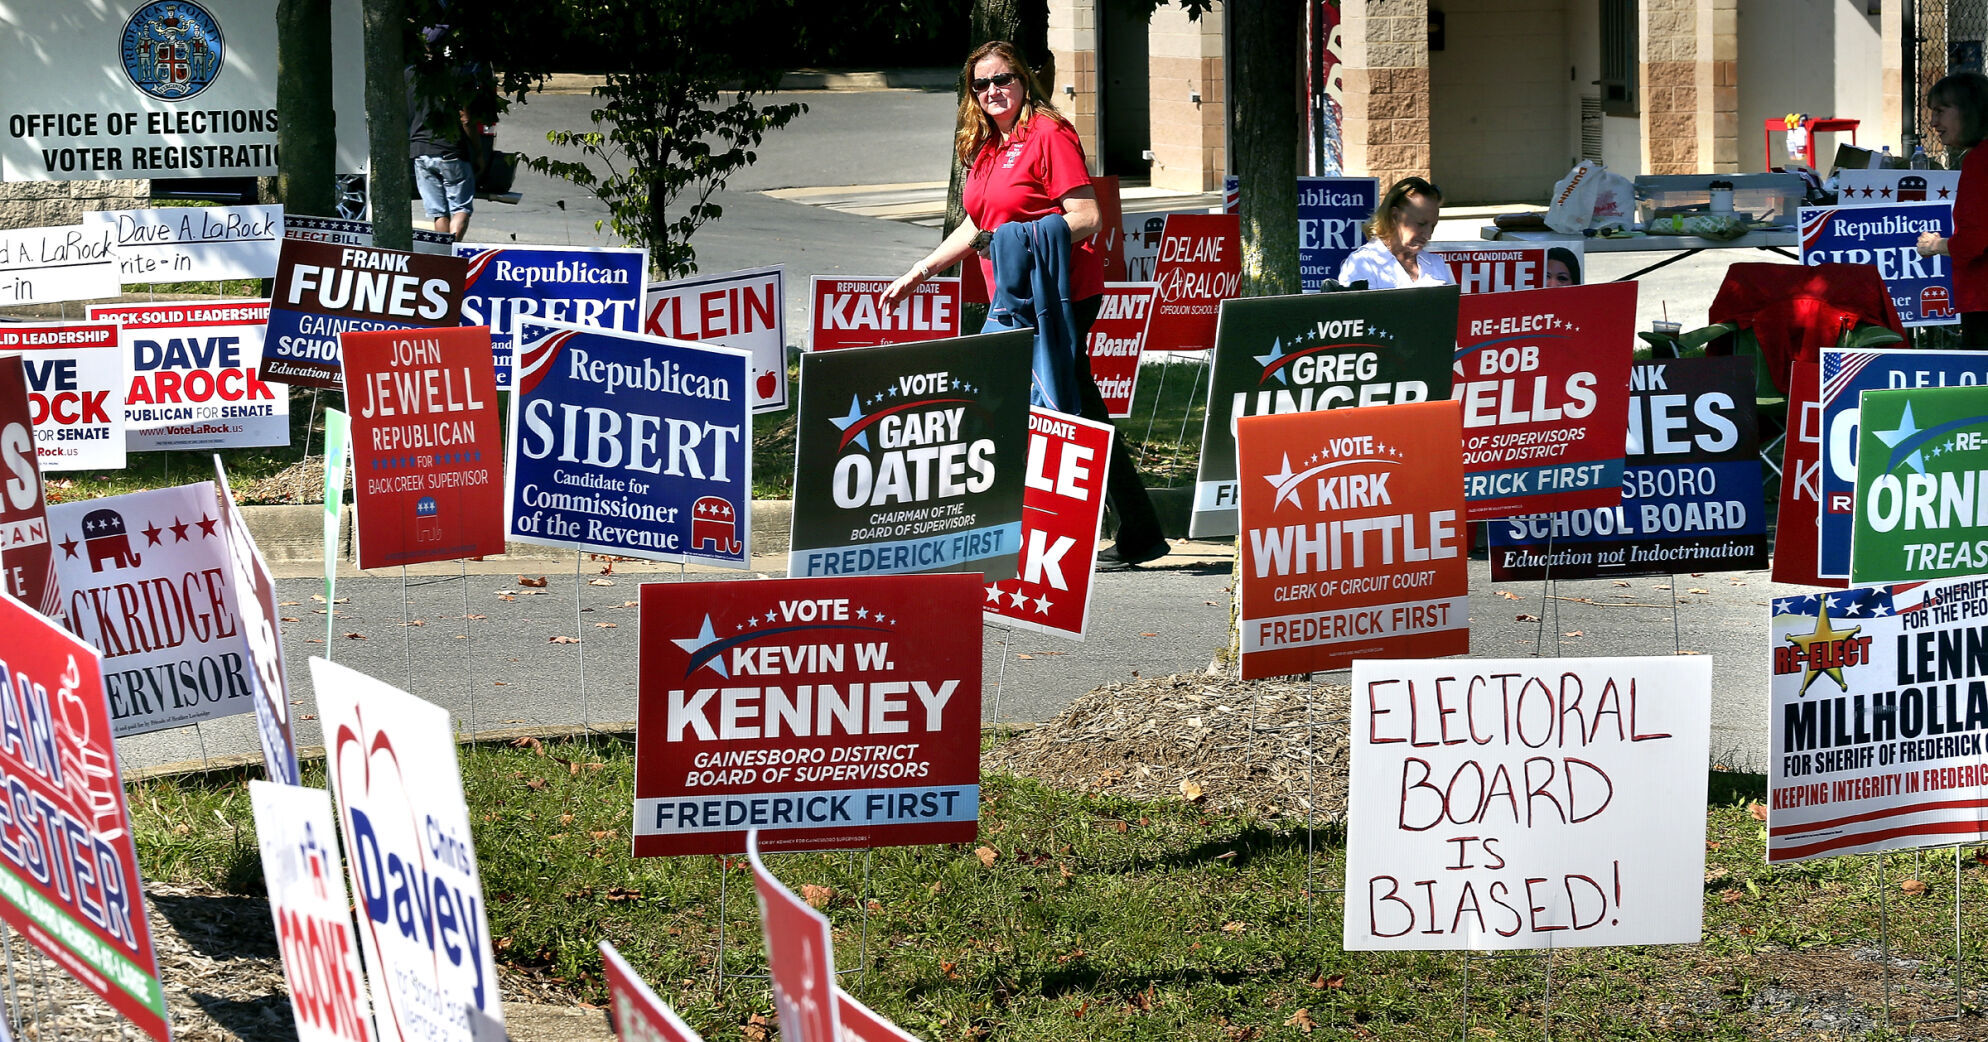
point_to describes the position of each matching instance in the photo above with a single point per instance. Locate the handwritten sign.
(742, 309)
(193, 243)
(66, 262)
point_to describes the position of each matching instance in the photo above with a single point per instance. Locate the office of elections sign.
(828, 713)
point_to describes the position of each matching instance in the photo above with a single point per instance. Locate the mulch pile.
(1263, 748)
(300, 482)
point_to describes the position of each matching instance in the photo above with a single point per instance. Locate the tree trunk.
(306, 134)
(390, 182)
(1263, 37)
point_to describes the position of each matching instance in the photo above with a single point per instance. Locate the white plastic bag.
(1615, 202)
(1591, 197)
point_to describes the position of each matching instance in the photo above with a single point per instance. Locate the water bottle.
(1880, 160)
(1919, 160)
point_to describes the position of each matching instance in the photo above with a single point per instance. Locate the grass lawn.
(1091, 918)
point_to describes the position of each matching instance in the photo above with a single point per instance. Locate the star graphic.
(68, 546)
(1017, 599)
(879, 619)
(1944, 190)
(179, 530)
(152, 534)
(1885, 192)
(1906, 429)
(704, 638)
(1042, 605)
(1823, 635)
(994, 594)
(843, 423)
(1266, 361)
(862, 613)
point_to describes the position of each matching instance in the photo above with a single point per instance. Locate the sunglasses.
(999, 79)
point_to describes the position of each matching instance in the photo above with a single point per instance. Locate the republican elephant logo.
(104, 536)
(712, 520)
(427, 521)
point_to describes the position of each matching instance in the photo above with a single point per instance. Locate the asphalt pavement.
(489, 649)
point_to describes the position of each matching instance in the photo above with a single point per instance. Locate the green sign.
(336, 440)
(1922, 485)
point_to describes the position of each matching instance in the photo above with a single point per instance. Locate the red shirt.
(1042, 162)
(1969, 245)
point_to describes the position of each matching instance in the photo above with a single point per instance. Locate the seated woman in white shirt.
(1393, 256)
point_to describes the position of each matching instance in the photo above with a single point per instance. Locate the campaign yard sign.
(1117, 340)
(147, 580)
(65, 262)
(1887, 236)
(1798, 530)
(1691, 487)
(827, 713)
(1352, 537)
(193, 243)
(426, 446)
(1879, 703)
(1306, 353)
(849, 312)
(1922, 512)
(345, 232)
(255, 596)
(299, 848)
(630, 444)
(1880, 187)
(636, 1010)
(1846, 375)
(1503, 804)
(742, 309)
(1332, 211)
(1140, 245)
(910, 458)
(597, 286)
(84, 907)
(1062, 511)
(27, 562)
(76, 375)
(1543, 376)
(1199, 266)
(391, 759)
(193, 376)
(800, 958)
(323, 291)
(337, 449)
(1484, 267)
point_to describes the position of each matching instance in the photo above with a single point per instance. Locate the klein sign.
(76, 378)
(849, 312)
(742, 309)
(323, 290)
(1118, 340)
(193, 376)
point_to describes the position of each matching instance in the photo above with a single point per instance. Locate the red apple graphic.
(767, 385)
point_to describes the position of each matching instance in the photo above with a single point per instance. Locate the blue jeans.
(447, 186)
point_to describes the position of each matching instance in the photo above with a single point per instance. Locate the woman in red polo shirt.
(1024, 161)
(1959, 105)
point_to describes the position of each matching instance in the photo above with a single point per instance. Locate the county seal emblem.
(172, 49)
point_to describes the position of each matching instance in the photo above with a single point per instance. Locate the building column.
(1690, 86)
(1188, 100)
(1385, 70)
(1073, 49)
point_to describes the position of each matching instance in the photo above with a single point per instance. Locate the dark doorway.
(1125, 104)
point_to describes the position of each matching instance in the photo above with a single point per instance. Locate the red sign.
(833, 713)
(1798, 532)
(1118, 338)
(1543, 376)
(1111, 227)
(1496, 267)
(1062, 510)
(425, 456)
(639, 1014)
(851, 313)
(68, 868)
(1352, 537)
(800, 960)
(862, 1024)
(1200, 265)
(27, 565)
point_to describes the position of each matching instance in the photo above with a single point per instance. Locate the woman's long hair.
(1388, 214)
(976, 128)
(1968, 92)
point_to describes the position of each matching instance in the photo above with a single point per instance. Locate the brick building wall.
(1073, 49)
(41, 204)
(1386, 75)
(1185, 60)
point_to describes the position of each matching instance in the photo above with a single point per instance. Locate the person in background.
(1959, 107)
(442, 144)
(1393, 256)
(1562, 268)
(1024, 162)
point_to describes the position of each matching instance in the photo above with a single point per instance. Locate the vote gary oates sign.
(826, 713)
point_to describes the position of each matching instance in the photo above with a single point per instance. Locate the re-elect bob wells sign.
(909, 458)
(826, 713)
(324, 290)
(1887, 237)
(599, 286)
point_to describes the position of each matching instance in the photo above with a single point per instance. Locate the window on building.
(1618, 57)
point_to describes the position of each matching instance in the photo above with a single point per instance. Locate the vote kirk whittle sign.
(827, 713)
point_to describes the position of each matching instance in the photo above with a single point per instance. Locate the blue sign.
(172, 49)
(1331, 213)
(1845, 376)
(584, 285)
(1886, 237)
(632, 445)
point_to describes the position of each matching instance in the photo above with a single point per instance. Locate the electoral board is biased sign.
(323, 291)
(66, 262)
(850, 312)
(1198, 267)
(147, 580)
(1117, 340)
(69, 867)
(1691, 487)
(829, 713)
(1332, 215)
(630, 444)
(314, 934)
(599, 286)
(27, 562)
(1498, 804)
(909, 458)
(1352, 537)
(1483, 267)
(1062, 511)
(1308, 353)
(426, 449)
(1921, 507)
(193, 376)
(76, 380)
(1544, 381)
(391, 758)
(1879, 705)
(742, 309)
(255, 596)
(193, 243)
(1887, 237)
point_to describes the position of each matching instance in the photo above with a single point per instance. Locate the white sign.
(48, 265)
(742, 309)
(1498, 267)
(76, 375)
(313, 918)
(391, 758)
(193, 376)
(147, 581)
(1877, 187)
(1527, 803)
(193, 244)
(255, 595)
